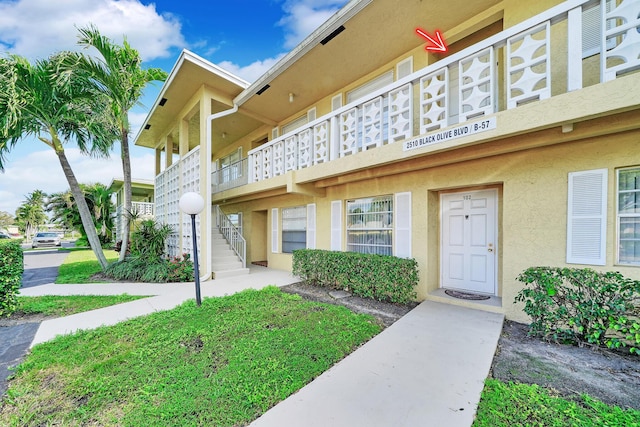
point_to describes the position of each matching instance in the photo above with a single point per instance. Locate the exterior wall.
(532, 220)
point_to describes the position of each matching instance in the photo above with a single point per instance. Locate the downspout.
(208, 219)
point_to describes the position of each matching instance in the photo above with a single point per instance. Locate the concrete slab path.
(163, 297)
(427, 369)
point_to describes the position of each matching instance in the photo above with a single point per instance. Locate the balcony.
(230, 176)
(541, 58)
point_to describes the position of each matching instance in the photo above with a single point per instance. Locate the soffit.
(378, 34)
(188, 76)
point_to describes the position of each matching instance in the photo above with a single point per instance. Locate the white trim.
(336, 225)
(274, 230)
(311, 226)
(587, 217)
(402, 223)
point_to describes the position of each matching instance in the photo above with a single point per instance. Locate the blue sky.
(245, 37)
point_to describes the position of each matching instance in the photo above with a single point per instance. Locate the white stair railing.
(232, 234)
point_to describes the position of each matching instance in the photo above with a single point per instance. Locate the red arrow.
(440, 45)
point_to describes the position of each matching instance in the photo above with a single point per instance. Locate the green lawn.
(221, 364)
(512, 405)
(80, 265)
(53, 305)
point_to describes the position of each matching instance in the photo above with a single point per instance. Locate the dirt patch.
(611, 377)
(19, 317)
(386, 313)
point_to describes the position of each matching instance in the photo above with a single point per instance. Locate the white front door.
(468, 240)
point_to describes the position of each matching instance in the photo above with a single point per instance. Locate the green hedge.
(11, 268)
(582, 306)
(384, 278)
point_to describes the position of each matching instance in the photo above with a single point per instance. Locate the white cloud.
(252, 71)
(302, 17)
(37, 28)
(40, 170)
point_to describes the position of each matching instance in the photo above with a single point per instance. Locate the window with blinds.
(628, 216)
(294, 228)
(370, 225)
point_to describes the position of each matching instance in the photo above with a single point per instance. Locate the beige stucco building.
(516, 147)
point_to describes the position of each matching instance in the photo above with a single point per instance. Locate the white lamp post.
(192, 204)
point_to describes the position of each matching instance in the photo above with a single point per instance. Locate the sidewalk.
(427, 369)
(166, 296)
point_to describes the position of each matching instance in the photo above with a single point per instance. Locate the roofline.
(339, 18)
(187, 55)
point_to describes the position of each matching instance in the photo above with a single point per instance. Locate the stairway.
(224, 261)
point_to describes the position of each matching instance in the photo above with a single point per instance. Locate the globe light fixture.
(192, 204)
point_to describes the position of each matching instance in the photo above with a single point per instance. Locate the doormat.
(465, 295)
(260, 263)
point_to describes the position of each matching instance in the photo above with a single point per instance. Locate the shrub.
(160, 270)
(149, 239)
(582, 306)
(384, 278)
(11, 269)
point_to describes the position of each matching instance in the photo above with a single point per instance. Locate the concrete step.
(232, 265)
(218, 258)
(230, 273)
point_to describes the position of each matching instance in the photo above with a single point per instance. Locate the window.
(294, 229)
(370, 225)
(230, 167)
(371, 86)
(628, 217)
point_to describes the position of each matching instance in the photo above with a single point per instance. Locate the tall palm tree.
(119, 76)
(55, 105)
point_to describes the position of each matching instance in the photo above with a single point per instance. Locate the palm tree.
(30, 214)
(120, 78)
(99, 198)
(64, 211)
(56, 105)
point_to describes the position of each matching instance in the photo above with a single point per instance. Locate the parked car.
(4, 236)
(46, 239)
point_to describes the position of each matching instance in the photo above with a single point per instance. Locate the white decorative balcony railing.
(230, 176)
(465, 86)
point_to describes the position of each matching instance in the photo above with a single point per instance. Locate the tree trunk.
(126, 171)
(83, 208)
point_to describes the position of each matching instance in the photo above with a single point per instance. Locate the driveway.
(40, 267)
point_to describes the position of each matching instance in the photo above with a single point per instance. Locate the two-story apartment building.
(518, 146)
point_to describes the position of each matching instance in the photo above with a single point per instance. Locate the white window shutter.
(402, 221)
(311, 226)
(311, 115)
(404, 68)
(336, 225)
(336, 102)
(274, 230)
(587, 217)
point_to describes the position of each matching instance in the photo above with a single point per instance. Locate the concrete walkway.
(427, 369)
(165, 297)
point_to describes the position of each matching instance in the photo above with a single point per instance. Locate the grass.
(515, 404)
(59, 306)
(80, 265)
(222, 364)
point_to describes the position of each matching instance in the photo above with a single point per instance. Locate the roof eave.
(339, 18)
